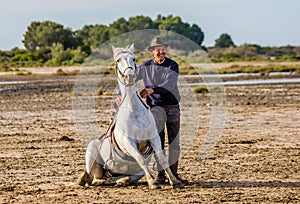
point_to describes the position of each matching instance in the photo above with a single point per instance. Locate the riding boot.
(161, 177)
(173, 161)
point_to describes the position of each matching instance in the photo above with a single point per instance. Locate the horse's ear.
(131, 49)
(113, 49)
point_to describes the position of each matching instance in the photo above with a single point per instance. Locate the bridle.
(122, 75)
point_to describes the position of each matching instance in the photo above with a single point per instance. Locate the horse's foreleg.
(133, 150)
(164, 163)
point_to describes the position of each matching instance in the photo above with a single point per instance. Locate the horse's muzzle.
(129, 77)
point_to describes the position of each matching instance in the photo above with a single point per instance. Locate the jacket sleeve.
(170, 82)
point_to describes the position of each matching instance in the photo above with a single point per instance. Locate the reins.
(122, 74)
(109, 132)
(118, 71)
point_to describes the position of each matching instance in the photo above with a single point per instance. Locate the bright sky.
(263, 22)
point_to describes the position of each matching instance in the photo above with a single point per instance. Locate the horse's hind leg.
(95, 180)
(98, 172)
(83, 179)
(93, 167)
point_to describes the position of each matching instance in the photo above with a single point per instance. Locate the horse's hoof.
(126, 181)
(98, 182)
(178, 185)
(154, 186)
(122, 184)
(82, 180)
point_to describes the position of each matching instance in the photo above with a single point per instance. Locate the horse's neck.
(130, 98)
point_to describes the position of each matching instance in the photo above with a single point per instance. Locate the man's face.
(159, 53)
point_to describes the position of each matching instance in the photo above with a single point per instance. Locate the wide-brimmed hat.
(157, 41)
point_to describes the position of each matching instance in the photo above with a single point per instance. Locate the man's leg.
(173, 129)
(160, 119)
(161, 177)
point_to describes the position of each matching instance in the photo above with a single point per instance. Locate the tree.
(60, 56)
(54, 43)
(224, 41)
(93, 36)
(99, 34)
(195, 33)
(47, 34)
(118, 27)
(176, 25)
(140, 22)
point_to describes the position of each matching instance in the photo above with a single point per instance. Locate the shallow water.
(238, 75)
(244, 82)
(209, 80)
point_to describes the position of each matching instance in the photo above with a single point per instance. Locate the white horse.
(126, 152)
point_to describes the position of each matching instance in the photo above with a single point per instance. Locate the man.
(160, 76)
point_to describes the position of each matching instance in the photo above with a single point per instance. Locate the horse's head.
(125, 64)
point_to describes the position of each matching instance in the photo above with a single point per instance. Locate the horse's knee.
(92, 147)
(91, 154)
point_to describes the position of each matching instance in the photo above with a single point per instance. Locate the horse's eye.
(118, 60)
(133, 59)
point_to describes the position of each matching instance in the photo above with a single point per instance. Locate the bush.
(201, 89)
(99, 92)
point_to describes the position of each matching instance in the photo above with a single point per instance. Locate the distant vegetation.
(51, 44)
(201, 89)
(260, 69)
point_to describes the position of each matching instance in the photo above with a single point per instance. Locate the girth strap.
(115, 148)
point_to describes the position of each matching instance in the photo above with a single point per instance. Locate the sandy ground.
(257, 159)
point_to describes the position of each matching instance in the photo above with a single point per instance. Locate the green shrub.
(23, 73)
(66, 73)
(201, 89)
(99, 92)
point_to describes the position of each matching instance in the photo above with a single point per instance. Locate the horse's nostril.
(130, 77)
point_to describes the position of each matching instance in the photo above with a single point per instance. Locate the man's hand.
(146, 91)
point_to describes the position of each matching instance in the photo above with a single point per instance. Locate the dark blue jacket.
(162, 78)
